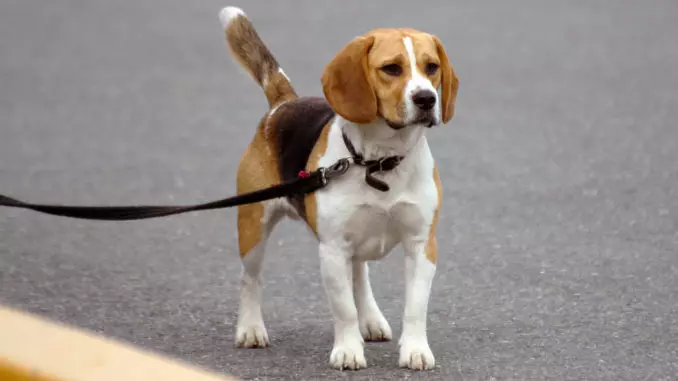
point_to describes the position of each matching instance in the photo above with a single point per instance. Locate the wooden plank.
(35, 349)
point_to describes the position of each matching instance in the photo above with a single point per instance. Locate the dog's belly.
(371, 232)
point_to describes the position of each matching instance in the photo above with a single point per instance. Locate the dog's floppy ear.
(450, 82)
(345, 82)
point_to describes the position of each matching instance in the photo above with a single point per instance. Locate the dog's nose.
(424, 99)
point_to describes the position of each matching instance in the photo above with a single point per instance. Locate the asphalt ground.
(558, 237)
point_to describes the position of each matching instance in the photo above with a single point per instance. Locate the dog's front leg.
(336, 272)
(415, 352)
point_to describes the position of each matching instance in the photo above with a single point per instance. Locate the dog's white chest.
(370, 222)
(371, 231)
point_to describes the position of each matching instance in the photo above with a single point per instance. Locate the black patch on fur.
(298, 125)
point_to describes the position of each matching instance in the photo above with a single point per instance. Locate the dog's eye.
(431, 68)
(392, 69)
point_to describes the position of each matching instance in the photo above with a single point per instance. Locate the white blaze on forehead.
(409, 47)
(420, 81)
(417, 81)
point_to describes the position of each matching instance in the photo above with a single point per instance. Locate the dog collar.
(382, 164)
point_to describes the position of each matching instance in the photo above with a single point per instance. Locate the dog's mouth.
(427, 121)
(395, 125)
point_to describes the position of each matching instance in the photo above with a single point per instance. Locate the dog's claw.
(348, 357)
(252, 337)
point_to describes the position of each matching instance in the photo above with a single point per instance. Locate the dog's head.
(392, 74)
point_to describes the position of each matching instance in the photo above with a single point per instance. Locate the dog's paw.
(348, 357)
(416, 355)
(375, 328)
(252, 336)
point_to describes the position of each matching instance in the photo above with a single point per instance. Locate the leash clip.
(337, 169)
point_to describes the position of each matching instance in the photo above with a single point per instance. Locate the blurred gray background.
(558, 236)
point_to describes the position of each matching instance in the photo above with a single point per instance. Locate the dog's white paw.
(348, 357)
(252, 336)
(416, 354)
(375, 328)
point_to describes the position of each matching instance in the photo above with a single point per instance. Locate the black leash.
(304, 184)
(308, 183)
(371, 166)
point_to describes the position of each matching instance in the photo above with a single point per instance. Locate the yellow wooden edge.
(35, 349)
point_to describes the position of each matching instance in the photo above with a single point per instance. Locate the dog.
(382, 92)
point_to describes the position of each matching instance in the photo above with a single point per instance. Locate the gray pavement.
(559, 233)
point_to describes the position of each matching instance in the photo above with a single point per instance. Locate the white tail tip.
(228, 14)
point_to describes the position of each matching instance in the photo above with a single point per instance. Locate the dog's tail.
(250, 51)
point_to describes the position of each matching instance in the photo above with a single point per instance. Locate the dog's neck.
(378, 139)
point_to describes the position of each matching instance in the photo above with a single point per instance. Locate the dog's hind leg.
(255, 223)
(373, 325)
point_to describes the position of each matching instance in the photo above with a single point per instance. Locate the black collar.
(371, 166)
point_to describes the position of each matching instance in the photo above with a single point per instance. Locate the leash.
(305, 183)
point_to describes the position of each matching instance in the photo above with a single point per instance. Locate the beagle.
(381, 96)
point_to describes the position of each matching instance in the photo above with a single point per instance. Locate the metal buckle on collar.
(359, 160)
(393, 160)
(380, 163)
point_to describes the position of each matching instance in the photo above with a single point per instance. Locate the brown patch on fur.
(296, 126)
(258, 169)
(251, 52)
(450, 82)
(310, 201)
(291, 139)
(345, 83)
(432, 244)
